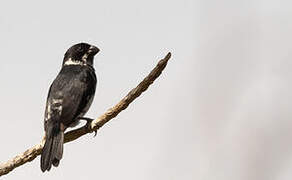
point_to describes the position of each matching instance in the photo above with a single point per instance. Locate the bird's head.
(80, 54)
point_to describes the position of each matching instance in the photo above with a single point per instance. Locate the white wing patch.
(54, 107)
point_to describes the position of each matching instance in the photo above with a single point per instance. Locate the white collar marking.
(72, 62)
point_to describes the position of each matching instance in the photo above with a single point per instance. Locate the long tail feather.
(53, 149)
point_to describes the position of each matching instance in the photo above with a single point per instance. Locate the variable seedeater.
(69, 98)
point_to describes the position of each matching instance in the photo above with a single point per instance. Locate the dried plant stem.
(36, 150)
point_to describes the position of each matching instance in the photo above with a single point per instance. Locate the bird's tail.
(53, 149)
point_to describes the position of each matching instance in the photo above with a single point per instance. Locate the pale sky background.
(221, 110)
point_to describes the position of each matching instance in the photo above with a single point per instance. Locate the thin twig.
(36, 150)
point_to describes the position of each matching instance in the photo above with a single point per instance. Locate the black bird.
(69, 98)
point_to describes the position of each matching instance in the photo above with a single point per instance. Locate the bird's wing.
(71, 94)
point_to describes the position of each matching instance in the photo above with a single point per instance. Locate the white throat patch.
(84, 57)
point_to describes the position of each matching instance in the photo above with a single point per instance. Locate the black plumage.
(69, 98)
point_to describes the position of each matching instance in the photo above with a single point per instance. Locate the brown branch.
(36, 150)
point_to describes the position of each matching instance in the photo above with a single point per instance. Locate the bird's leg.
(88, 123)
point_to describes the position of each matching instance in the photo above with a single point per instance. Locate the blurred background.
(220, 110)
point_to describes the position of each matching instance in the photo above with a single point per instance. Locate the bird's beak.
(93, 50)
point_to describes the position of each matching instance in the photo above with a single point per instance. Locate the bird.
(69, 98)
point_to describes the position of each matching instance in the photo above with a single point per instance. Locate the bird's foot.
(88, 123)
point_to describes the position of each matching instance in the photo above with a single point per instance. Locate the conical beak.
(93, 50)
